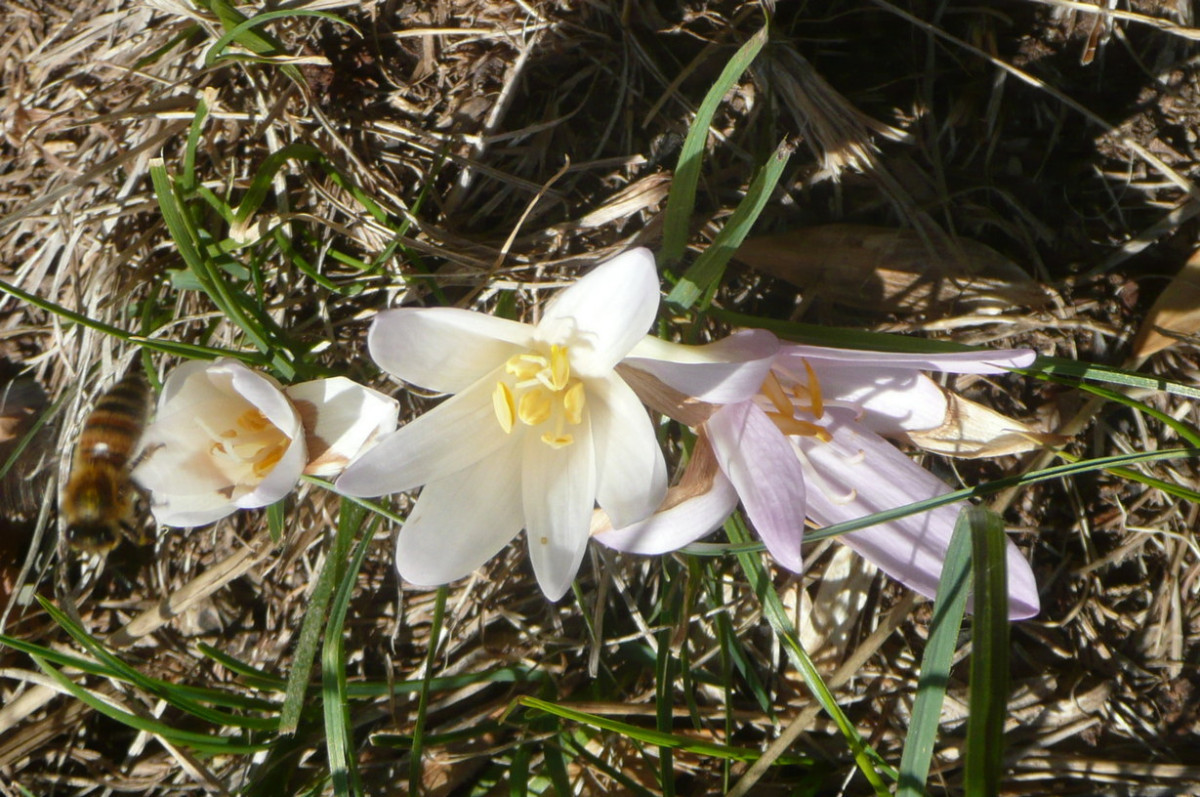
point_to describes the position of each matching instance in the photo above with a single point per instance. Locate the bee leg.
(138, 536)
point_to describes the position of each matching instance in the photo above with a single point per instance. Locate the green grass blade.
(983, 755)
(334, 699)
(667, 741)
(869, 761)
(948, 610)
(241, 32)
(682, 199)
(705, 274)
(418, 737)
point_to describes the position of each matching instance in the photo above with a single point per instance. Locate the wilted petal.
(726, 371)
(558, 488)
(605, 312)
(699, 504)
(341, 420)
(859, 474)
(762, 465)
(443, 349)
(631, 474)
(460, 522)
(452, 436)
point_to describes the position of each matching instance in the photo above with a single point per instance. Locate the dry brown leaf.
(973, 431)
(885, 269)
(1176, 312)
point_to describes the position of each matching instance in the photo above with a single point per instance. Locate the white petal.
(175, 451)
(968, 362)
(280, 481)
(182, 375)
(763, 467)
(462, 521)
(341, 420)
(700, 503)
(729, 370)
(449, 438)
(605, 312)
(189, 511)
(559, 490)
(859, 474)
(631, 475)
(443, 348)
(264, 393)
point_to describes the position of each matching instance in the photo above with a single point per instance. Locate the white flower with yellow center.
(541, 427)
(227, 437)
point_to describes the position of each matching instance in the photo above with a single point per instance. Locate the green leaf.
(705, 274)
(682, 199)
(948, 609)
(983, 755)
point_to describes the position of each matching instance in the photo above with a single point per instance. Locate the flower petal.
(700, 503)
(281, 479)
(631, 474)
(858, 474)
(341, 419)
(893, 400)
(995, 361)
(189, 511)
(762, 465)
(444, 349)
(460, 522)
(728, 370)
(558, 487)
(449, 438)
(605, 312)
(263, 392)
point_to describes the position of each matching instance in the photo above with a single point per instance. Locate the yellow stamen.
(814, 391)
(557, 440)
(253, 420)
(268, 463)
(774, 393)
(794, 426)
(535, 407)
(502, 404)
(525, 366)
(560, 367)
(573, 403)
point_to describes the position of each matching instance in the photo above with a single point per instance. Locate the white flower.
(808, 445)
(540, 429)
(226, 437)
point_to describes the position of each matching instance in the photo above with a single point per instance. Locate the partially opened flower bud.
(227, 437)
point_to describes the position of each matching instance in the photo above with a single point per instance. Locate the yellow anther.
(525, 366)
(774, 393)
(794, 426)
(560, 367)
(557, 440)
(253, 420)
(268, 463)
(535, 407)
(573, 402)
(502, 404)
(217, 448)
(814, 391)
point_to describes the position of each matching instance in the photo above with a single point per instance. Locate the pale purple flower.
(808, 444)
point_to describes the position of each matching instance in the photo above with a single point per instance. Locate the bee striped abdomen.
(98, 501)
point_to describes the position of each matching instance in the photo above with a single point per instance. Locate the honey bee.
(98, 501)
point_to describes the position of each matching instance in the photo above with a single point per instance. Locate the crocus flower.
(809, 445)
(541, 427)
(226, 437)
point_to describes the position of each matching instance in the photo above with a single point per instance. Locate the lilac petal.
(858, 474)
(968, 362)
(460, 522)
(723, 372)
(630, 470)
(558, 489)
(893, 400)
(444, 349)
(452, 436)
(605, 312)
(762, 465)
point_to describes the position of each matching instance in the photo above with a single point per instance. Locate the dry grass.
(515, 144)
